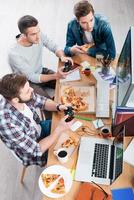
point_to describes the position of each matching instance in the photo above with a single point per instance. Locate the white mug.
(62, 155)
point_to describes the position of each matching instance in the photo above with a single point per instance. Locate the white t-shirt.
(28, 113)
(89, 37)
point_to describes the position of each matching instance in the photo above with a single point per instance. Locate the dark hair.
(11, 84)
(82, 8)
(25, 22)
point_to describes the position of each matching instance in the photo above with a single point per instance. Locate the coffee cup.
(105, 131)
(87, 71)
(62, 155)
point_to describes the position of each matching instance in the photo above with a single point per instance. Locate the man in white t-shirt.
(20, 127)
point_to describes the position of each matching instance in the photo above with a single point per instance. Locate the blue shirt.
(102, 36)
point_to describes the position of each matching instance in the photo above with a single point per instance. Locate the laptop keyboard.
(100, 161)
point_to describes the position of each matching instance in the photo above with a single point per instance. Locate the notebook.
(100, 160)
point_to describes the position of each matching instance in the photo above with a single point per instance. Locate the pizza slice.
(75, 98)
(78, 104)
(69, 142)
(60, 187)
(85, 47)
(48, 179)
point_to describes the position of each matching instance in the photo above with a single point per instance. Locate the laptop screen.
(118, 143)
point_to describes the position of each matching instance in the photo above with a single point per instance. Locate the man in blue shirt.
(89, 28)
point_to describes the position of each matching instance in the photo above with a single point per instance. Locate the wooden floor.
(53, 16)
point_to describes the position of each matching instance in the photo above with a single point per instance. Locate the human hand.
(63, 125)
(61, 74)
(62, 107)
(85, 47)
(65, 59)
(76, 49)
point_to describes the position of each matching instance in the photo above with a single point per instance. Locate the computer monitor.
(125, 72)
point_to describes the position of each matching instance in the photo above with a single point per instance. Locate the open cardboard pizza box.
(67, 140)
(81, 97)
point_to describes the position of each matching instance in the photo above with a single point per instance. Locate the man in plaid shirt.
(20, 127)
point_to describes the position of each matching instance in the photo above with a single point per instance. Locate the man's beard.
(25, 101)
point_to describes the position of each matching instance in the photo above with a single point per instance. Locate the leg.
(23, 174)
(42, 91)
(39, 90)
(50, 84)
(46, 128)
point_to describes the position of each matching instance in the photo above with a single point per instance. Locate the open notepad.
(73, 76)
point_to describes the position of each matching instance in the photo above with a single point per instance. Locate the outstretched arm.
(48, 141)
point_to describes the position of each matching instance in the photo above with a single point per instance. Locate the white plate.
(56, 169)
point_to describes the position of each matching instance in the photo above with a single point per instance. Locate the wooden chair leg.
(23, 174)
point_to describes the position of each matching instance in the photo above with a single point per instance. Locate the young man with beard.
(20, 127)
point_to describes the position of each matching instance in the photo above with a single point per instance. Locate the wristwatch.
(58, 107)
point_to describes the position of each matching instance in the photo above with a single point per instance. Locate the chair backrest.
(23, 169)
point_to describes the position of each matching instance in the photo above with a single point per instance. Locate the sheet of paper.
(128, 153)
(73, 76)
(76, 125)
(109, 77)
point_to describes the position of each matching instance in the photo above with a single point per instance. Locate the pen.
(83, 118)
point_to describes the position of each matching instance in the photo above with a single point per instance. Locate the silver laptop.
(100, 160)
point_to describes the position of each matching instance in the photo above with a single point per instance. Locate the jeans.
(41, 89)
(45, 128)
(45, 131)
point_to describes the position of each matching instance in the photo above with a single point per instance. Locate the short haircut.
(82, 8)
(11, 84)
(25, 22)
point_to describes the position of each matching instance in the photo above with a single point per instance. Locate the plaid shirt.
(17, 132)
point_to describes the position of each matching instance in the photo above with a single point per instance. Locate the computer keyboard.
(102, 101)
(100, 161)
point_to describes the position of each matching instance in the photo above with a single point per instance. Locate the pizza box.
(63, 142)
(73, 93)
